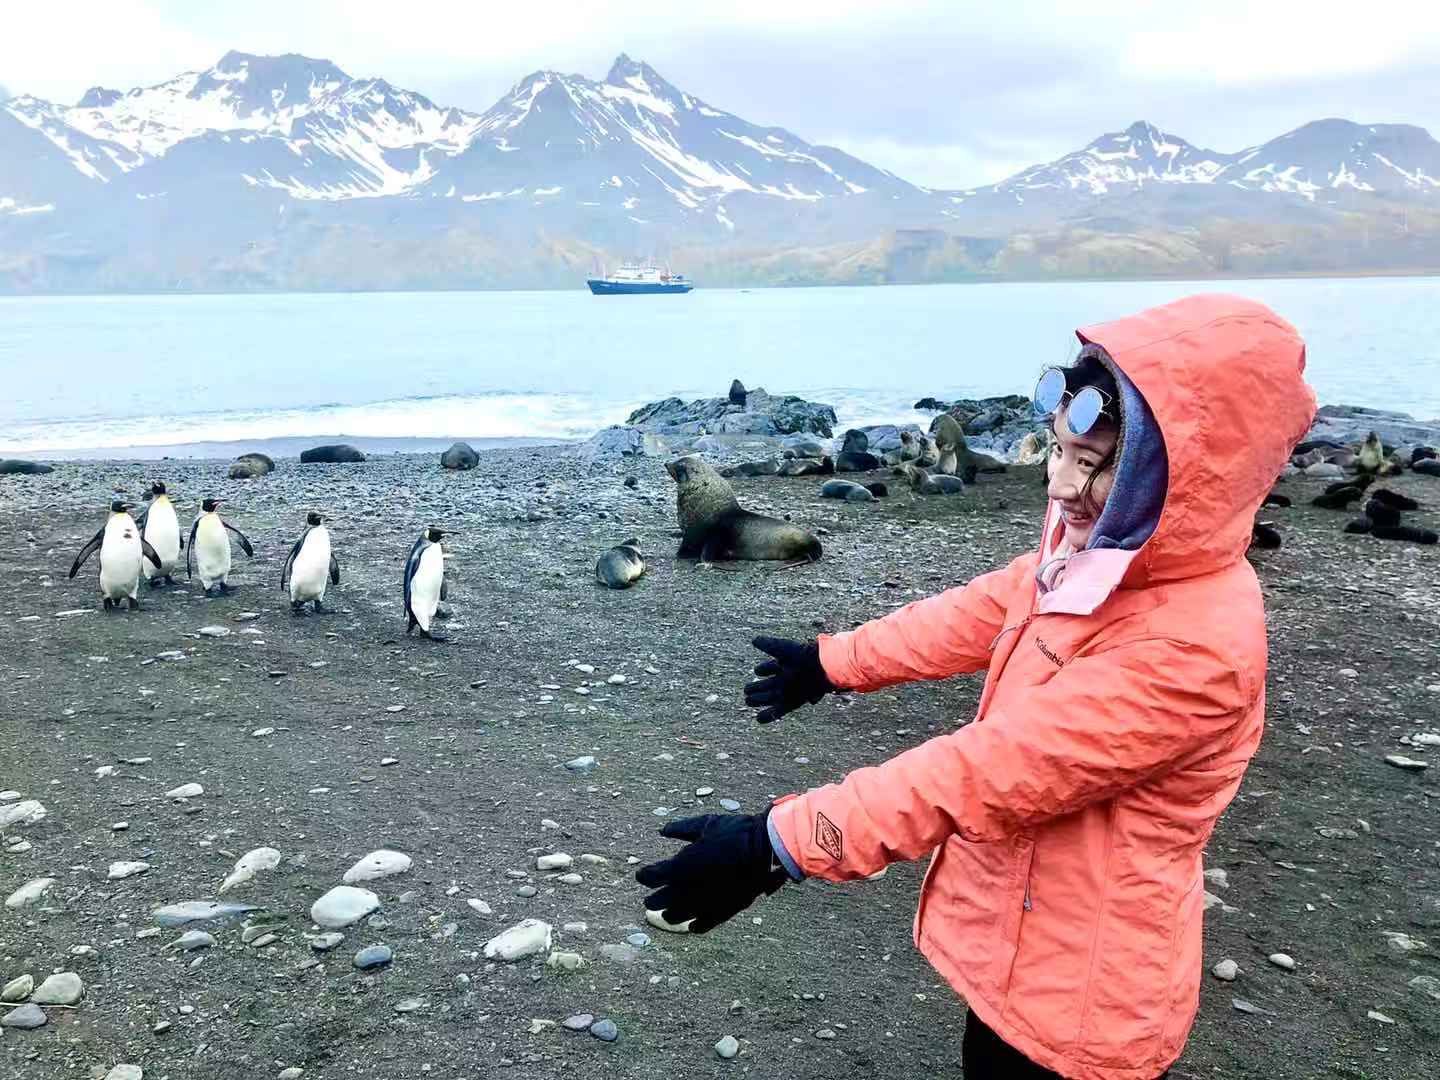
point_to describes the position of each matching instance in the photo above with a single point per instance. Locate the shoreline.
(286, 448)
(1289, 275)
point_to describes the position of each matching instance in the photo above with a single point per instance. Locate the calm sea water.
(106, 373)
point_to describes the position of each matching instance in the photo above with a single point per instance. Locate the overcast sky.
(940, 95)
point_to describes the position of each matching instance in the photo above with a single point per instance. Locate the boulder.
(332, 454)
(17, 467)
(886, 437)
(1350, 424)
(614, 443)
(460, 456)
(760, 414)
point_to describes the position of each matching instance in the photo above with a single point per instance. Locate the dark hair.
(1088, 370)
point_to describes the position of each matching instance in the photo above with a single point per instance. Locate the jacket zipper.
(1027, 904)
(1020, 626)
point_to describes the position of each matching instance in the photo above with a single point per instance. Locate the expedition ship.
(634, 279)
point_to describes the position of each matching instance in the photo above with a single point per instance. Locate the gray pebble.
(527, 891)
(578, 1022)
(728, 1047)
(729, 804)
(605, 1030)
(373, 956)
(639, 940)
(24, 1017)
(62, 989)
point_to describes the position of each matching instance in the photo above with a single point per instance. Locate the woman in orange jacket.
(1124, 697)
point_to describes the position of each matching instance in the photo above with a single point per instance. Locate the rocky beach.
(241, 843)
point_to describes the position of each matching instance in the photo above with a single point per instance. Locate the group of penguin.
(149, 546)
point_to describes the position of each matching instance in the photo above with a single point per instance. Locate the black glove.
(727, 863)
(791, 679)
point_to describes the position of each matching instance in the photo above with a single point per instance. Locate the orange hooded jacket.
(1064, 899)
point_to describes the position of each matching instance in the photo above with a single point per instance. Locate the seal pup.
(713, 525)
(1265, 536)
(1275, 499)
(1405, 532)
(424, 582)
(845, 489)
(766, 467)
(1427, 467)
(1371, 455)
(1381, 513)
(161, 530)
(309, 565)
(621, 566)
(855, 453)
(1338, 500)
(924, 483)
(736, 395)
(876, 488)
(122, 550)
(1032, 450)
(1422, 453)
(1362, 524)
(209, 550)
(1395, 499)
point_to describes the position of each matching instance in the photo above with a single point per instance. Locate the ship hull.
(601, 287)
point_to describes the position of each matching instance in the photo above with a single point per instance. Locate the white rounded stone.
(343, 906)
(525, 938)
(378, 864)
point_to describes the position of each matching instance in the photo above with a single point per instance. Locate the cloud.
(945, 94)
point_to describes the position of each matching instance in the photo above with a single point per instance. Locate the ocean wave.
(481, 416)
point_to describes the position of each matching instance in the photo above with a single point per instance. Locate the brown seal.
(714, 527)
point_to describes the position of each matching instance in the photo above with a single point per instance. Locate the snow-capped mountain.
(287, 172)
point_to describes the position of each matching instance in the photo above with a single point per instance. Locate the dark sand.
(479, 765)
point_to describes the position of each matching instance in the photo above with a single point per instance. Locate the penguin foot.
(224, 589)
(109, 604)
(134, 603)
(155, 582)
(442, 613)
(213, 591)
(320, 609)
(433, 637)
(169, 581)
(297, 607)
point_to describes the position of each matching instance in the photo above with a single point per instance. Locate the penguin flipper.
(244, 542)
(190, 548)
(150, 553)
(88, 550)
(334, 571)
(444, 588)
(412, 564)
(290, 559)
(141, 518)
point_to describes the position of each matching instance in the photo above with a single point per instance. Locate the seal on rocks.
(737, 392)
(767, 467)
(1371, 455)
(331, 454)
(847, 490)
(18, 467)
(925, 483)
(461, 455)
(1427, 466)
(855, 453)
(621, 566)
(714, 526)
(824, 466)
(251, 466)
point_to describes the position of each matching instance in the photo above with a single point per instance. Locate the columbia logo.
(1049, 653)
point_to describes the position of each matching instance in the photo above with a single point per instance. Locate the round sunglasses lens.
(1049, 392)
(1084, 410)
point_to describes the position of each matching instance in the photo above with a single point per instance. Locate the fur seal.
(825, 466)
(855, 453)
(1420, 453)
(1405, 532)
(956, 457)
(847, 490)
(714, 526)
(1359, 525)
(932, 483)
(1371, 455)
(1427, 467)
(767, 467)
(1381, 513)
(251, 466)
(621, 566)
(1275, 499)
(1339, 500)
(19, 467)
(911, 448)
(1359, 483)
(1391, 498)
(1265, 536)
(876, 488)
(737, 392)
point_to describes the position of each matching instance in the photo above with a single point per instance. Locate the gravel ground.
(327, 737)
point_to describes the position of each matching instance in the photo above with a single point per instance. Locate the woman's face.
(1074, 459)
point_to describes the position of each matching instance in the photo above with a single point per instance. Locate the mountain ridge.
(228, 177)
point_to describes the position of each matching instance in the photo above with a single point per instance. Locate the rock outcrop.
(760, 414)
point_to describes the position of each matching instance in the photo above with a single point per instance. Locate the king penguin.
(161, 530)
(424, 582)
(122, 550)
(210, 549)
(310, 565)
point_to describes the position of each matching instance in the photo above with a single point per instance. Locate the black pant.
(985, 1056)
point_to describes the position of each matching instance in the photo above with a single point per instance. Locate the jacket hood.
(1223, 380)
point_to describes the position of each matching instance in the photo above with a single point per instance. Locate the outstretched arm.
(948, 634)
(1106, 722)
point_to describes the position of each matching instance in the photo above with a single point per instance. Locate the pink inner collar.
(1079, 582)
